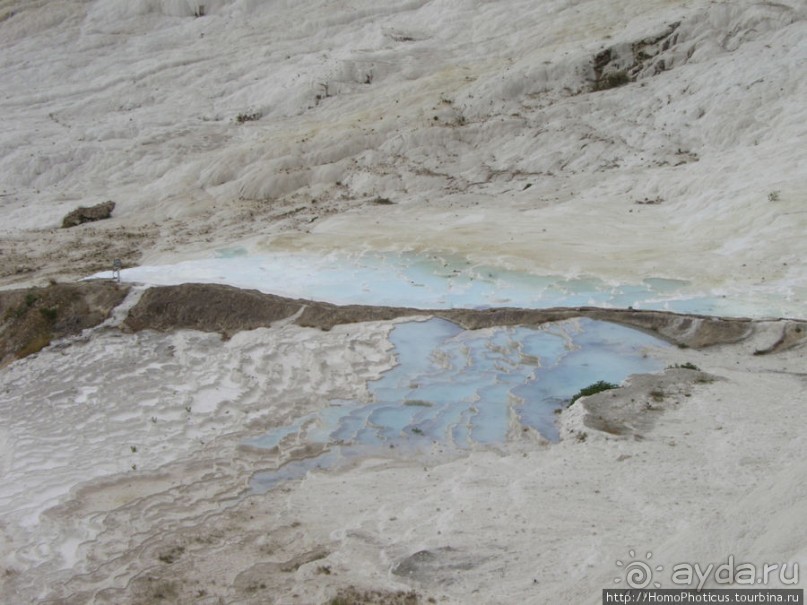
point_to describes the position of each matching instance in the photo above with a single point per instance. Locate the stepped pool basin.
(454, 390)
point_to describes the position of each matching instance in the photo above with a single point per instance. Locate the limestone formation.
(89, 214)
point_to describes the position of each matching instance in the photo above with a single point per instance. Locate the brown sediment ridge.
(33, 317)
(227, 310)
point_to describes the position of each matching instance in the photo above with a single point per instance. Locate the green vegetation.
(685, 366)
(418, 402)
(50, 314)
(591, 389)
(19, 311)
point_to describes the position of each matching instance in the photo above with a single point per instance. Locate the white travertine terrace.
(461, 129)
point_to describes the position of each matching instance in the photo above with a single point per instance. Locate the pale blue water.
(433, 281)
(462, 389)
(454, 389)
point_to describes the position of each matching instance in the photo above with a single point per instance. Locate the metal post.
(116, 267)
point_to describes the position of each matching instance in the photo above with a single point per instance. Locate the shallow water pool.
(431, 281)
(456, 389)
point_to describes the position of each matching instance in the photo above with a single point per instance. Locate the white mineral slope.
(119, 458)
(474, 118)
(115, 408)
(719, 474)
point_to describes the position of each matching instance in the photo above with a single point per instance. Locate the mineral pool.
(452, 389)
(455, 389)
(440, 281)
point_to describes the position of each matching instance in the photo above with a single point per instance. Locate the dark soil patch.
(227, 310)
(31, 318)
(355, 596)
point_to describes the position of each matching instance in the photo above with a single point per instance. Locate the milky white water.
(434, 281)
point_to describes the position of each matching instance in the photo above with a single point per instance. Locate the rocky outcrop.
(208, 308)
(632, 410)
(624, 63)
(31, 318)
(224, 309)
(88, 214)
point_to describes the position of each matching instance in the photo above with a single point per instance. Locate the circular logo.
(637, 573)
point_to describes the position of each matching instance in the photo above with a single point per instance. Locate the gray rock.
(86, 215)
(437, 566)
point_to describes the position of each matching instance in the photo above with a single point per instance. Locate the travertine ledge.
(227, 310)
